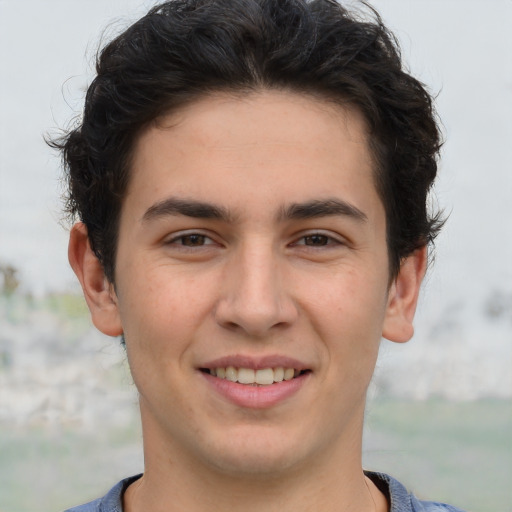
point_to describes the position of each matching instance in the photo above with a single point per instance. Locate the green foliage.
(66, 305)
(8, 279)
(459, 453)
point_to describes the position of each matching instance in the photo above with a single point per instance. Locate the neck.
(173, 480)
(152, 493)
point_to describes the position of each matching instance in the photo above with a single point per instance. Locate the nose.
(255, 297)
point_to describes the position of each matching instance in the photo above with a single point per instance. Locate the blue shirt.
(399, 498)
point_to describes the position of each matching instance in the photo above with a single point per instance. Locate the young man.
(251, 178)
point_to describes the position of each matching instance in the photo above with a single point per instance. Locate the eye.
(317, 240)
(194, 240)
(191, 240)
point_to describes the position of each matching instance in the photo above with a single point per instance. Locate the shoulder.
(111, 502)
(432, 506)
(402, 501)
(93, 506)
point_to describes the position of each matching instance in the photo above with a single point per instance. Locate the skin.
(259, 281)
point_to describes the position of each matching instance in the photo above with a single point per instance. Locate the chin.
(255, 465)
(258, 453)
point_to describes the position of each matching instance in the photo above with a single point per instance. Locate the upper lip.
(256, 363)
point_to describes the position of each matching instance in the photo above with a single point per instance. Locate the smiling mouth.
(263, 377)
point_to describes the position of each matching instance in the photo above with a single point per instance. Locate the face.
(252, 282)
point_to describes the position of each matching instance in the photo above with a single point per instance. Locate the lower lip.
(256, 397)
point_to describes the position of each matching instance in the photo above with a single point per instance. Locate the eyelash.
(204, 240)
(327, 239)
(188, 236)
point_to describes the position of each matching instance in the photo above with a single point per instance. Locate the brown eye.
(316, 240)
(193, 240)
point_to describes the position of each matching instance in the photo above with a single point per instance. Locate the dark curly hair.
(185, 49)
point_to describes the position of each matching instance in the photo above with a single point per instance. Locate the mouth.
(251, 377)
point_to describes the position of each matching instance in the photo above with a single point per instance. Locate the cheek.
(161, 309)
(348, 317)
(352, 299)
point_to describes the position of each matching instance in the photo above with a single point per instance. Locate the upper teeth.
(265, 376)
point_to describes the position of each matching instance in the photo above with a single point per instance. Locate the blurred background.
(440, 407)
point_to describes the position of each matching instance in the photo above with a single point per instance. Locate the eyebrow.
(187, 207)
(322, 208)
(202, 210)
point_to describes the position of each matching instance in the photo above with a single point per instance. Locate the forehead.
(271, 146)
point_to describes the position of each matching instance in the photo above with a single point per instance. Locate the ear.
(98, 291)
(403, 297)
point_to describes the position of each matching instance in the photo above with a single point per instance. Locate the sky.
(461, 49)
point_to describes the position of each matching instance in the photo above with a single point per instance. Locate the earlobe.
(98, 291)
(403, 297)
